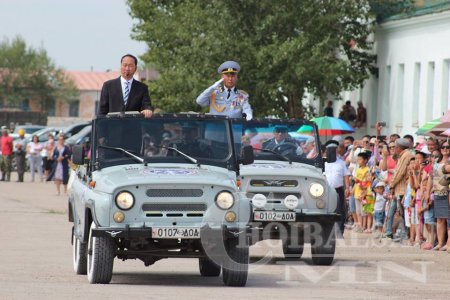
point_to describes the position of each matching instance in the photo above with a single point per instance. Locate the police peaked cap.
(229, 67)
(331, 143)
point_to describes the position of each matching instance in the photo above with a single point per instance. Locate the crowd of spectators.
(50, 160)
(397, 189)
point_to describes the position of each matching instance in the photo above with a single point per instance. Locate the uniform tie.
(229, 93)
(127, 93)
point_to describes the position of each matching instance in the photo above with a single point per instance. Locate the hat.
(229, 67)
(3, 127)
(402, 142)
(331, 143)
(423, 148)
(337, 138)
(381, 183)
(372, 140)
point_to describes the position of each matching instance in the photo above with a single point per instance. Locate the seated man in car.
(283, 143)
(192, 145)
(149, 147)
(309, 148)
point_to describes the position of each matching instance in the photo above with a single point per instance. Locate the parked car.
(79, 138)
(74, 129)
(29, 130)
(44, 132)
(156, 188)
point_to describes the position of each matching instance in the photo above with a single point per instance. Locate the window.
(51, 107)
(445, 84)
(74, 108)
(416, 90)
(430, 91)
(385, 113)
(399, 98)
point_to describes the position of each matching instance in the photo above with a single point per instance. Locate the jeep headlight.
(124, 200)
(259, 200)
(316, 190)
(224, 200)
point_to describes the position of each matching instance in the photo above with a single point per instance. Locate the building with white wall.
(413, 58)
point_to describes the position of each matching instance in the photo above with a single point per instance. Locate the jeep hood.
(275, 168)
(109, 179)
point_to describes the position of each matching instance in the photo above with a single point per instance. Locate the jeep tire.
(235, 266)
(100, 258)
(323, 253)
(208, 268)
(79, 253)
(292, 251)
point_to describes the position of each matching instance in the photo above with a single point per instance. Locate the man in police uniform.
(226, 99)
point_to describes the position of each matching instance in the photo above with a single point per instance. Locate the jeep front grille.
(274, 183)
(174, 207)
(174, 193)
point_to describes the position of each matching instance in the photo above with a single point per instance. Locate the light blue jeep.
(157, 188)
(290, 197)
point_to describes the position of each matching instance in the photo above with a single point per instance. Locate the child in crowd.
(379, 207)
(362, 188)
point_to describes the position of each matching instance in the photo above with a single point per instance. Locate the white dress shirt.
(335, 173)
(123, 81)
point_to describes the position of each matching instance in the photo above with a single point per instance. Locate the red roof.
(90, 80)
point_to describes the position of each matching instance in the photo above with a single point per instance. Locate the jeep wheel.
(235, 266)
(292, 251)
(208, 268)
(79, 252)
(323, 253)
(100, 259)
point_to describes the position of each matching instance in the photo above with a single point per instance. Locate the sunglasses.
(435, 156)
(445, 147)
(280, 130)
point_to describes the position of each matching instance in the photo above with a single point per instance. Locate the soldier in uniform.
(226, 99)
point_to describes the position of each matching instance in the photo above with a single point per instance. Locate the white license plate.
(175, 233)
(274, 216)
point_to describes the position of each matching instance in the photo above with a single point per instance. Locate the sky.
(78, 35)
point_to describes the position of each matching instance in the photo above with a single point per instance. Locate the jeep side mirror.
(331, 154)
(248, 156)
(78, 154)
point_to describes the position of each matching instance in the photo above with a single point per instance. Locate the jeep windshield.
(295, 140)
(162, 139)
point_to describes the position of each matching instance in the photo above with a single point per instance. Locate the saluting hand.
(217, 83)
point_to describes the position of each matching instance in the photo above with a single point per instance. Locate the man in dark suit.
(125, 93)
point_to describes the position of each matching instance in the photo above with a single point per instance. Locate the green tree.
(29, 74)
(285, 49)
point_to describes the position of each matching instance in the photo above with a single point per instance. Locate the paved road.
(36, 263)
